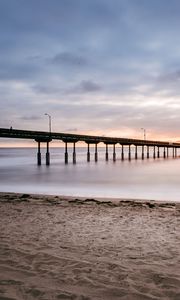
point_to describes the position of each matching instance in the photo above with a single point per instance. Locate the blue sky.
(96, 66)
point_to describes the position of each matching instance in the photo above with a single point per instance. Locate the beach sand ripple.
(66, 248)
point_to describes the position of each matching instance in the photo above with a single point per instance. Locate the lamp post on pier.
(49, 121)
(144, 133)
(47, 151)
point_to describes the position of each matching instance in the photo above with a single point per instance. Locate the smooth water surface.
(157, 179)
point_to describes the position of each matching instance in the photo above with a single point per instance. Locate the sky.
(96, 66)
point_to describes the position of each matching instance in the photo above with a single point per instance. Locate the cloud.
(30, 118)
(46, 89)
(170, 77)
(69, 59)
(86, 86)
(104, 64)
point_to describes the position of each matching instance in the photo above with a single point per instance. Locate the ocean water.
(157, 179)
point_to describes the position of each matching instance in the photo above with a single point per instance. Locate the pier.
(160, 148)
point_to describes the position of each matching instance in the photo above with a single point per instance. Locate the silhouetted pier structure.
(47, 137)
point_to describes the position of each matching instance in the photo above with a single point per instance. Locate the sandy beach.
(54, 247)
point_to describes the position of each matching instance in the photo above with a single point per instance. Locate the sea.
(152, 179)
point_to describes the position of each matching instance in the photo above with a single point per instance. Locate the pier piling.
(164, 152)
(122, 152)
(114, 152)
(173, 151)
(96, 153)
(107, 157)
(47, 155)
(66, 154)
(142, 152)
(147, 151)
(74, 153)
(88, 153)
(129, 156)
(39, 154)
(154, 153)
(136, 154)
(158, 153)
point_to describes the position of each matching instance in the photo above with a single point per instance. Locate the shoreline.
(113, 200)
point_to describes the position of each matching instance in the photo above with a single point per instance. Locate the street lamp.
(49, 121)
(144, 133)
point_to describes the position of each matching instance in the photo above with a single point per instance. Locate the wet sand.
(54, 247)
